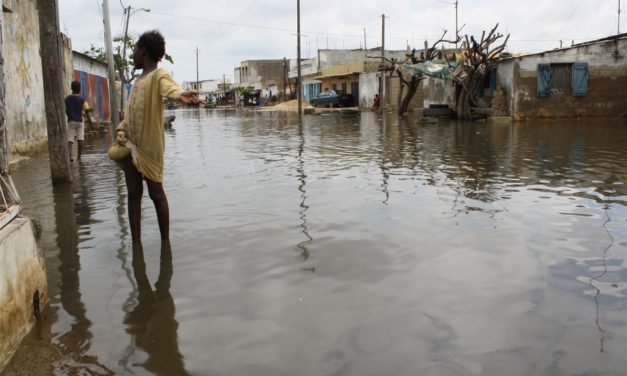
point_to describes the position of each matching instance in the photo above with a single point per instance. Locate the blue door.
(83, 85)
(99, 96)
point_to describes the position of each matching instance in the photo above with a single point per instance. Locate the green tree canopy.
(122, 64)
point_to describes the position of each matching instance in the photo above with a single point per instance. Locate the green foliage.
(121, 65)
(242, 90)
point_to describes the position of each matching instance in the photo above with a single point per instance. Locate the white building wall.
(25, 103)
(438, 91)
(368, 88)
(340, 57)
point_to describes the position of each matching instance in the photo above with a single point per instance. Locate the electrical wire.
(596, 11)
(557, 37)
(99, 10)
(269, 28)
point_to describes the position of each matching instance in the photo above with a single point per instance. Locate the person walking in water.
(75, 105)
(143, 129)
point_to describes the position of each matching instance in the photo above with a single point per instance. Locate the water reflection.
(412, 273)
(152, 323)
(75, 343)
(302, 188)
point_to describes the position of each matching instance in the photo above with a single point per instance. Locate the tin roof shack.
(92, 74)
(584, 80)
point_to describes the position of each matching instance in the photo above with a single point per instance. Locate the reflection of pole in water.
(78, 339)
(385, 174)
(303, 195)
(602, 331)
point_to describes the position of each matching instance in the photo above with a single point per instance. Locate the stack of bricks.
(499, 104)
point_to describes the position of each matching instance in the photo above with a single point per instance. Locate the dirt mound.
(290, 105)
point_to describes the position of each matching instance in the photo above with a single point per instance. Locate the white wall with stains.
(26, 113)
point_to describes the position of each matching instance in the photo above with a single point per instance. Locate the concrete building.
(23, 285)
(26, 111)
(265, 75)
(209, 87)
(584, 80)
(353, 72)
(309, 70)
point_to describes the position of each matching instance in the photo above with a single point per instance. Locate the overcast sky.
(228, 32)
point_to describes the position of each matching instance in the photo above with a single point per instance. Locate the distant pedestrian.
(75, 105)
(143, 128)
(376, 103)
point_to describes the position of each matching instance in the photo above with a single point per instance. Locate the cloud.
(228, 32)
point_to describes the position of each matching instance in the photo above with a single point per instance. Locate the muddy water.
(346, 246)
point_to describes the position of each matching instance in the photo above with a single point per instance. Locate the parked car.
(332, 98)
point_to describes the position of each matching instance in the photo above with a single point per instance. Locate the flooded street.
(369, 245)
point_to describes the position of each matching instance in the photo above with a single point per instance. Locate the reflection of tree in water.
(449, 154)
(152, 321)
(75, 343)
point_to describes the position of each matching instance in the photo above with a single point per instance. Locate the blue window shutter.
(544, 80)
(580, 79)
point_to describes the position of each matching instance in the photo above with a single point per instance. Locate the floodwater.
(369, 245)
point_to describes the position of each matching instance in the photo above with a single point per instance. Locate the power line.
(99, 10)
(568, 20)
(269, 28)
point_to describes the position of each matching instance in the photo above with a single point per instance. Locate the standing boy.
(74, 107)
(143, 128)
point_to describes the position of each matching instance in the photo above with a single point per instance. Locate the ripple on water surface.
(369, 245)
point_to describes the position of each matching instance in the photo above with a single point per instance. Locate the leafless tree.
(410, 80)
(478, 59)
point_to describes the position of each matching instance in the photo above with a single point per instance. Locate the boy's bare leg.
(135, 190)
(69, 149)
(80, 149)
(157, 194)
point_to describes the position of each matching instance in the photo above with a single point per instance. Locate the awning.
(336, 75)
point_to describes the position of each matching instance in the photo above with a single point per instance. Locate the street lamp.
(123, 79)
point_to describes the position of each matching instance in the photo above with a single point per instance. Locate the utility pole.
(127, 11)
(618, 29)
(124, 79)
(197, 79)
(111, 65)
(284, 79)
(382, 88)
(365, 47)
(224, 87)
(299, 80)
(52, 65)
